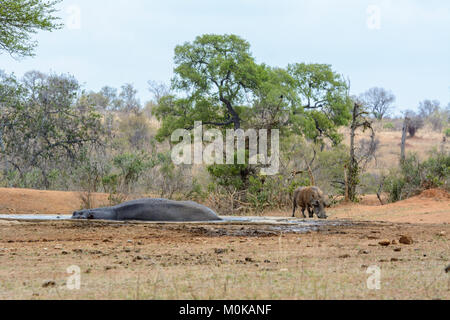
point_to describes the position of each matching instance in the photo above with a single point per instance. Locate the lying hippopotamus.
(151, 210)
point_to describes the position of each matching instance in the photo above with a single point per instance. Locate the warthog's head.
(319, 209)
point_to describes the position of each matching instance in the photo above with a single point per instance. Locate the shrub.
(389, 126)
(414, 124)
(414, 176)
(447, 132)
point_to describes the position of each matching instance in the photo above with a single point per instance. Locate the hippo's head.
(83, 214)
(319, 209)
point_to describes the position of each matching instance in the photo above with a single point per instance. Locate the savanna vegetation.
(55, 134)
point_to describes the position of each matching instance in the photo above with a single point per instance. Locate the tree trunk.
(380, 189)
(404, 133)
(352, 171)
(346, 196)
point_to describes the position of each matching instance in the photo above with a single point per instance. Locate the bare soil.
(204, 261)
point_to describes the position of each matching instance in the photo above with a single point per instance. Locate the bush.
(447, 132)
(414, 124)
(389, 126)
(414, 176)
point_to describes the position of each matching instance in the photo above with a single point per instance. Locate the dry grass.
(124, 261)
(173, 262)
(388, 154)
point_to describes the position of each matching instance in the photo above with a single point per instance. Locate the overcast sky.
(401, 45)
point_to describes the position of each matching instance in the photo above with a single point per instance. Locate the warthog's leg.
(310, 212)
(303, 212)
(293, 211)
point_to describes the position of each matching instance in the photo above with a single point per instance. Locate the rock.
(442, 234)
(384, 243)
(220, 251)
(48, 283)
(394, 242)
(398, 249)
(394, 260)
(406, 240)
(64, 252)
(363, 251)
(344, 256)
(248, 259)
(447, 270)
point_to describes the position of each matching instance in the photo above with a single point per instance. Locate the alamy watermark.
(374, 17)
(73, 20)
(74, 280)
(374, 281)
(188, 152)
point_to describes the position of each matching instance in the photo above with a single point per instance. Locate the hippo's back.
(150, 209)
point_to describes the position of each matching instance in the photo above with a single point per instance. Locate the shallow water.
(44, 217)
(254, 225)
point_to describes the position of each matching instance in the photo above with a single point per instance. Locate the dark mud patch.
(267, 230)
(229, 226)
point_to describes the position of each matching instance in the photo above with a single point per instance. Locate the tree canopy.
(217, 81)
(41, 121)
(20, 19)
(217, 72)
(379, 101)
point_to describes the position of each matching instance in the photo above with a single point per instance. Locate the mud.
(229, 226)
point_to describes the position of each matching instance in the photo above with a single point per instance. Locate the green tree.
(216, 71)
(45, 127)
(322, 102)
(19, 19)
(222, 86)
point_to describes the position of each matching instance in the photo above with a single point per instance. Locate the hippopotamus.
(151, 210)
(311, 199)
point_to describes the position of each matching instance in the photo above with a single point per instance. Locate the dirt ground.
(239, 261)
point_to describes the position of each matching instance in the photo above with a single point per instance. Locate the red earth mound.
(437, 194)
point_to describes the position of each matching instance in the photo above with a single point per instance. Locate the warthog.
(311, 199)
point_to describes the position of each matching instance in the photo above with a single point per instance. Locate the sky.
(400, 45)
